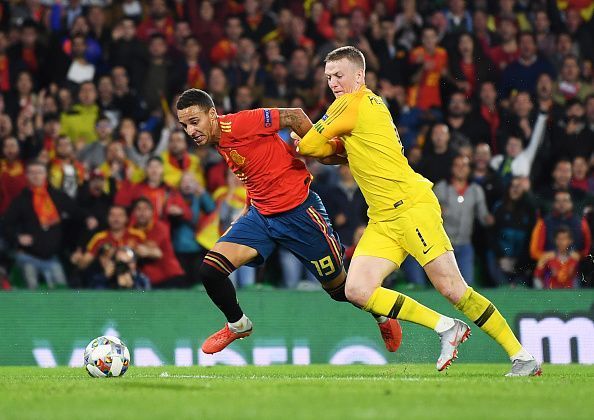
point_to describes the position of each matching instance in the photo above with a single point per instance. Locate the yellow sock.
(396, 305)
(486, 316)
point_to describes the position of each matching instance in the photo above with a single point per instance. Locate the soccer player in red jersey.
(280, 208)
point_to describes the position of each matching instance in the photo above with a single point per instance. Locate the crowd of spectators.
(99, 187)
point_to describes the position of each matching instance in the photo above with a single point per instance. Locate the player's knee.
(356, 294)
(214, 267)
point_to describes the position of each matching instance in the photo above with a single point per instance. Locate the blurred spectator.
(22, 97)
(157, 21)
(543, 235)
(581, 177)
(78, 122)
(491, 113)
(245, 68)
(276, 87)
(35, 222)
(569, 85)
(80, 70)
(464, 127)
(468, 66)
(485, 176)
(105, 242)
(509, 262)
(257, 25)
(408, 24)
(9, 67)
(545, 39)
(95, 202)
(392, 57)
(301, 78)
(220, 91)
(224, 51)
(458, 16)
(568, 140)
(187, 250)
(558, 269)
(94, 154)
(436, 163)
(129, 52)
(345, 205)
(508, 50)
(522, 73)
(166, 202)
(30, 49)
(191, 70)
(177, 160)
(461, 203)
(341, 37)
(65, 173)
(126, 99)
(119, 271)
(201, 16)
(561, 181)
(159, 75)
(12, 173)
(158, 261)
(517, 161)
(117, 169)
(544, 97)
(580, 33)
(430, 63)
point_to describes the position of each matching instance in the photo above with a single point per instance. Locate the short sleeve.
(255, 122)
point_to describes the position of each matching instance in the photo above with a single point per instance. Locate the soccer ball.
(106, 356)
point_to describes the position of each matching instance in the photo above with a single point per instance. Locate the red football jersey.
(276, 181)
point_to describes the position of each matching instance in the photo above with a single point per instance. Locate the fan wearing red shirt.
(167, 202)
(280, 209)
(159, 264)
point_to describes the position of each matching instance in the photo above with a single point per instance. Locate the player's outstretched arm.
(295, 119)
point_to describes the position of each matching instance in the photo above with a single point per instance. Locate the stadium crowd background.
(493, 99)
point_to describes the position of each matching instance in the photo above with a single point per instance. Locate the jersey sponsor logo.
(325, 117)
(427, 250)
(267, 118)
(237, 158)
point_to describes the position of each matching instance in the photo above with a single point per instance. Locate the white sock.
(521, 355)
(381, 319)
(444, 324)
(244, 324)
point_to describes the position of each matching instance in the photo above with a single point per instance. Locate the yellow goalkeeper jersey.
(375, 153)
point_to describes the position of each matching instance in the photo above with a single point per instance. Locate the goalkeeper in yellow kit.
(404, 218)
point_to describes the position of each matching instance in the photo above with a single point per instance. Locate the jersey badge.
(237, 158)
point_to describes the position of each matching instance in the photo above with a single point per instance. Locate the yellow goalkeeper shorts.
(417, 231)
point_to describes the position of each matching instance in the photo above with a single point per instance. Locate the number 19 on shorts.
(325, 266)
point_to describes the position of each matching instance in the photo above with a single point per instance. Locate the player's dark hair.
(349, 52)
(193, 97)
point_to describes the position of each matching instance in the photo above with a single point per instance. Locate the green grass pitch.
(399, 391)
